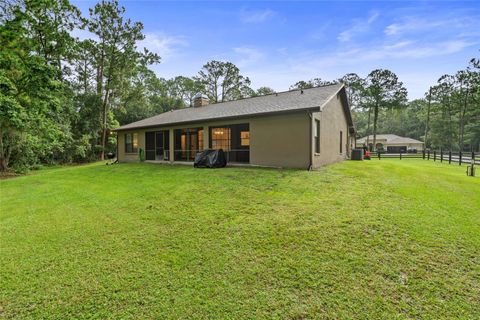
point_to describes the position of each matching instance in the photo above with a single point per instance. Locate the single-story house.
(391, 143)
(293, 129)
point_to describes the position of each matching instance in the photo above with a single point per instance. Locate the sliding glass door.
(187, 143)
(157, 145)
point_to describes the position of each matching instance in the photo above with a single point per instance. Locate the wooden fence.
(434, 155)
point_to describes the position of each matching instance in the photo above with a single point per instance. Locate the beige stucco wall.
(277, 141)
(332, 121)
(281, 141)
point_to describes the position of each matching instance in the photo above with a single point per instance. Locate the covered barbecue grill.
(210, 159)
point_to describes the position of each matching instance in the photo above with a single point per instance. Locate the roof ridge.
(271, 94)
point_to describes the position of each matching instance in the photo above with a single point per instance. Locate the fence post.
(434, 155)
(423, 154)
(400, 154)
(428, 155)
(460, 162)
(378, 154)
(441, 155)
(450, 157)
(472, 162)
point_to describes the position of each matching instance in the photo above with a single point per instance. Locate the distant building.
(391, 143)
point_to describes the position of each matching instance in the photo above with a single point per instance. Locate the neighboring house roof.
(390, 139)
(289, 101)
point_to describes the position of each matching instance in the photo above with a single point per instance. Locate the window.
(244, 138)
(317, 136)
(131, 142)
(341, 141)
(221, 138)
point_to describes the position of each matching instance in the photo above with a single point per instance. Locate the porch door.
(159, 145)
(150, 145)
(162, 144)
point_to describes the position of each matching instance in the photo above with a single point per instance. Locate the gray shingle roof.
(390, 138)
(281, 102)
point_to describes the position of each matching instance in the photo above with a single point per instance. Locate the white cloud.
(373, 17)
(412, 24)
(410, 50)
(404, 50)
(282, 51)
(401, 57)
(397, 45)
(256, 16)
(248, 56)
(453, 22)
(164, 45)
(358, 27)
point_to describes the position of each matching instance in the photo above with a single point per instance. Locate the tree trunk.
(428, 117)
(85, 80)
(3, 164)
(462, 121)
(3, 160)
(104, 121)
(4, 154)
(100, 71)
(368, 127)
(375, 120)
(450, 142)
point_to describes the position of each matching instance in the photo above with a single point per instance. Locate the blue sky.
(278, 43)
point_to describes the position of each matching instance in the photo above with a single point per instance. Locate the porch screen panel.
(150, 145)
(234, 140)
(187, 143)
(221, 138)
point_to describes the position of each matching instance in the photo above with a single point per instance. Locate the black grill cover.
(210, 159)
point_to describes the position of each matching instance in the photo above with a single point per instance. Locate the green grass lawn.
(369, 240)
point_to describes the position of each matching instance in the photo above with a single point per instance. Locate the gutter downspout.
(311, 140)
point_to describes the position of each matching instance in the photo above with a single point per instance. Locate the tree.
(316, 82)
(443, 131)
(116, 55)
(464, 79)
(354, 86)
(472, 125)
(186, 88)
(145, 96)
(49, 24)
(84, 67)
(223, 81)
(12, 121)
(383, 90)
(264, 91)
(36, 105)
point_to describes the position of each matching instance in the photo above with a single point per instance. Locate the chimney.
(200, 100)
